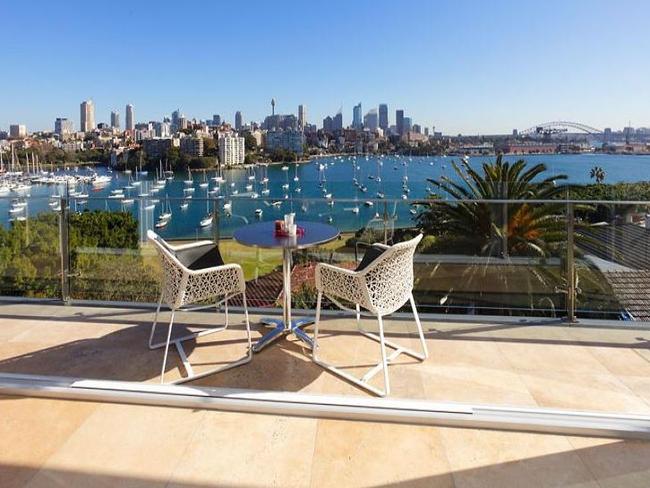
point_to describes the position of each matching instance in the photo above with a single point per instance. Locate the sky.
(470, 67)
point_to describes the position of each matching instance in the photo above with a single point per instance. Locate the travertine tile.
(230, 449)
(583, 392)
(615, 463)
(484, 458)
(123, 444)
(370, 454)
(31, 430)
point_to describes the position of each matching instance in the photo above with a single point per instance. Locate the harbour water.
(323, 189)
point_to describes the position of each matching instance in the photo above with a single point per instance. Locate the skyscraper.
(216, 120)
(383, 116)
(371, 120)
(406, 125)
(302, 117)
(399, 121)
(238, 120)
(115, 119)
(176, 115)
(87, 116)
(129, 117)
(356, 116)
(337, 122)
(63, 127)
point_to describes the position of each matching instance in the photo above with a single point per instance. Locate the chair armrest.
(341, 283)
(203, 284)
(381, 245)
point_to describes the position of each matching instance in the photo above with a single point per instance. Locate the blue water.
(310, 204)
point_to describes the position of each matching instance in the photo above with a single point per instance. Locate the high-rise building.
(356, 116)
(17, 131)
(231, 150)
(87, 116)
(63, 127)
(327, 124)
(176, 115)
(383, 116)
(216, 120)
(115, 120)
(407, 124)
(192, 146)
(399, 121)
(302, 117)
(129, 117)
(238, 120)
(371, 120)
(337, 122)
(289, 139)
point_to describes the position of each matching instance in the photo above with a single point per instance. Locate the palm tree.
(598, 174)
(475, 225)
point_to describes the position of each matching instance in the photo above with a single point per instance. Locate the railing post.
(64, 246)
(385, 223)
(215, 227)
(570, 267)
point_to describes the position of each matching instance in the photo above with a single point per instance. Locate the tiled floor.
(48, 443)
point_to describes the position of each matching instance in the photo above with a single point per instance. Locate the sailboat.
(295, 175)
(208, 219)
(167, 210)
(189, 181)
(204, 183)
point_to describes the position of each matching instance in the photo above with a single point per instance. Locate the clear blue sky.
(463, 66)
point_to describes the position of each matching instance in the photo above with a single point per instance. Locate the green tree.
(250, 143)
(495, 229)
(598, 174)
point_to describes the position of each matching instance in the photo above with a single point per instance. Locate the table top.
(262, 234)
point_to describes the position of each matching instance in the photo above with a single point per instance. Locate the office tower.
(231, 150)
(399, 121)
(238, 120)
(63, 127)
(356, 116)
(302, 117)
(337, 122)
(129, 117)
(371, 120)
(383, 116)
(176, 115)
(216, 120)
(17, 131)
(327, 124)
(426, 131)
(115, 120)
(406, 126)
(87, 116)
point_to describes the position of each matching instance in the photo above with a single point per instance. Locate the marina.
(350, 191)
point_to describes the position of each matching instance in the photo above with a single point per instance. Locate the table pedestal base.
(280, 328)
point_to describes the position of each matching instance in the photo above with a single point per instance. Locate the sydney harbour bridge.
(559, 127)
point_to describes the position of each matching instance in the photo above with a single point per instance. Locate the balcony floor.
(47, 442)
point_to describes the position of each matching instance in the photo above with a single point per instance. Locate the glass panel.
(30, 262)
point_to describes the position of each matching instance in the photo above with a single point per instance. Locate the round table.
(262, 235)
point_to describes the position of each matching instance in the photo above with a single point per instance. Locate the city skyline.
(466, 68)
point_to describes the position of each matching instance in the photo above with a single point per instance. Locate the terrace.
(525, 379)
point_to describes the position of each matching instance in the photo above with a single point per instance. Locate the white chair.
(381, 284)
(183, 285)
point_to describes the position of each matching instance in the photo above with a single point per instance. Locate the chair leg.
(358, 309)
(248, 325)
(425, 351)
(225, 306)
(383, 356)
(169, 335)
(155, 321)
(314, 351)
